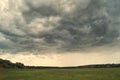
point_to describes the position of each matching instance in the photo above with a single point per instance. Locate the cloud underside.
(63, 26)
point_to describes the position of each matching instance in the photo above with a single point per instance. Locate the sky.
(60, 32)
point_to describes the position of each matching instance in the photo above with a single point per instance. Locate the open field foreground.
(61, 74)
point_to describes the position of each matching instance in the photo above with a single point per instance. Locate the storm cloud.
(58, 25)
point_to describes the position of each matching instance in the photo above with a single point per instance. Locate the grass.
(61, 74)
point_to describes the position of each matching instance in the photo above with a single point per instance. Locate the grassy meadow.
(61, 74)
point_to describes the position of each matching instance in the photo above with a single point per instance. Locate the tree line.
(8, 65)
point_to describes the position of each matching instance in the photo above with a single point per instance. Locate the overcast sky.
(60, 32)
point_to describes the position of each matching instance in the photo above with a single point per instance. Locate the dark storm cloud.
(41, 11)
(55, 25)
(86, 28)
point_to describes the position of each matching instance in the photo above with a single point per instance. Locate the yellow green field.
(61, 74)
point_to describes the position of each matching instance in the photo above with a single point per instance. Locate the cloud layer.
(58, 25)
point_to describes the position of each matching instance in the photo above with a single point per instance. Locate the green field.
(61, 74)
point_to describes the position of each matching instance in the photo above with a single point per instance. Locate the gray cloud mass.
(63, 26)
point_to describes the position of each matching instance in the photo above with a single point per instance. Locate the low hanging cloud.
(62, 26)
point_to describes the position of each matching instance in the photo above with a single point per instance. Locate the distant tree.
(6, 64)
(19, 65)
